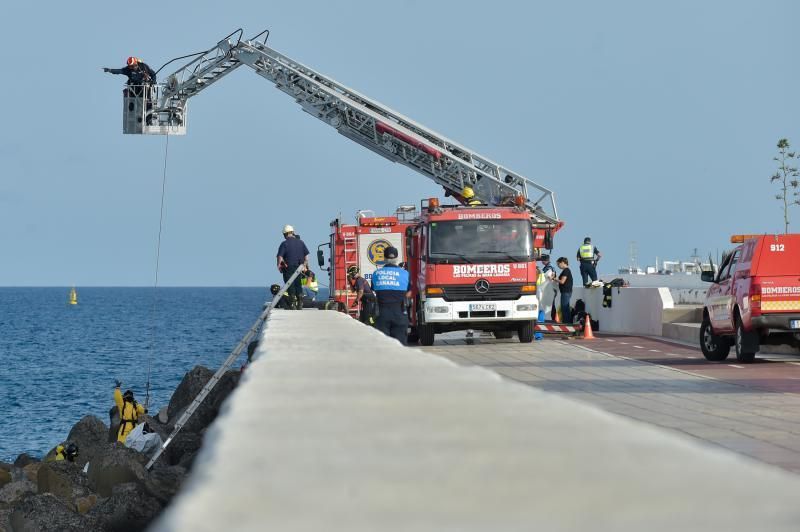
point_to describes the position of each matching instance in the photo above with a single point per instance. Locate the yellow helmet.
(468, 193)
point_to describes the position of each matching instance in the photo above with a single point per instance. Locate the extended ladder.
(363, 120)
(232, 357)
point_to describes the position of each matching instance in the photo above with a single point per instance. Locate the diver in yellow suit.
(129, 412)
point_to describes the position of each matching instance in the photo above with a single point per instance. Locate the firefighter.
(392, 287)
(364, 295)
(129, 412)
(469, 197)
(140, 76)
(292, 254)
(309, 282)
(588, 256)
(283, 302)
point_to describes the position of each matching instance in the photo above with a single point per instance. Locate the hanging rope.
(155, 282)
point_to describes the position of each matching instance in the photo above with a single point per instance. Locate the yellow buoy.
(73, 296)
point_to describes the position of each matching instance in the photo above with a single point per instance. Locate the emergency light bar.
(738, 239)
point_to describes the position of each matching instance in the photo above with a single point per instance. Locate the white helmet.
(288, 229)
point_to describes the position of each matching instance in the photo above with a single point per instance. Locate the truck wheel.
(714, 348)
(744, 351)
(426, 334)
(503, 335)
(526, 331)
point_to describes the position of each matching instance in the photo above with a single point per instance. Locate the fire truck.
(471, 266)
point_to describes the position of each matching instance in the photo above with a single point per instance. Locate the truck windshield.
(473, 241)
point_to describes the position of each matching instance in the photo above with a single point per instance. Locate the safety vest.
(540, 279)
(312, 285)
(587, 252)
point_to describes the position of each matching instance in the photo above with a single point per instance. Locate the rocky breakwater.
(114, 492)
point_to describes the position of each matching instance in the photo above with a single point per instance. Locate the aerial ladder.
(375, 126)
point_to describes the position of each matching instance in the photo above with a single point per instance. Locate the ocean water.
(59, 362)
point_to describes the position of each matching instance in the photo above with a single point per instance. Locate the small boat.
(73, 296)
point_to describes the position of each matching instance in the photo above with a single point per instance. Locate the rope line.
(155, 281)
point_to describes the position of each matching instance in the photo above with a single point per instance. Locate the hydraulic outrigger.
(361, 119)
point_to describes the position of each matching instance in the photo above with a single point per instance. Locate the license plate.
(794, 324)
(478, 307)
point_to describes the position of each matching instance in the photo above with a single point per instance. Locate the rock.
(187, 460)
(31, 471)
(6, 466)
(117, 465)
(15, 491)
(184, 443)
(164, 482)
(5, 477)
(188, 389)
(25, 459)
(90, 435)
(129, 508)
(113, 429)
(163, 416)
(84, 504)
(63, 479)
(43, 513)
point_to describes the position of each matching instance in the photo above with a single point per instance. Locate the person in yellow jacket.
(129, 412)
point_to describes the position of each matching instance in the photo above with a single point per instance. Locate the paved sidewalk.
(755, 422)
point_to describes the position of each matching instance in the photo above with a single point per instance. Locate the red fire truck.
(471, 267)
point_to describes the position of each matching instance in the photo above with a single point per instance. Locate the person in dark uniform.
(292, 254)
(139, 74)
(588, 255)
(364, 295)
(565, 286)
(392, 286)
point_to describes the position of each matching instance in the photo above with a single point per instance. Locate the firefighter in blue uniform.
(392, 287)
(293, 254)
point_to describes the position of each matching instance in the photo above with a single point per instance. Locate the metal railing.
(232, 357)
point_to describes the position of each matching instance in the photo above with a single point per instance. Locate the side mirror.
(321, 258)
(707, 276)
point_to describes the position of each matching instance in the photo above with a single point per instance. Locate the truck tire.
(503, 335)
(526, 331)
(742, 344)
(426, 334)
(714, 348)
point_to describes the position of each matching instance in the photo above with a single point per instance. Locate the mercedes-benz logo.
(482, 286)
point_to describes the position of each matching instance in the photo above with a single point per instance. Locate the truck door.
(721, 297)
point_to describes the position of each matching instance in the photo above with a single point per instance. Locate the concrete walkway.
(336, 427)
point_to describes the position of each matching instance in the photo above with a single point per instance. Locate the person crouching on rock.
(129, 412)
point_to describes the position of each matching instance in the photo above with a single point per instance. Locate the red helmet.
(132, 61)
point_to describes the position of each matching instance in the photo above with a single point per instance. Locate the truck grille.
(468, 293)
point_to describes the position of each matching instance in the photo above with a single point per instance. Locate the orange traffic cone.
(587, 328)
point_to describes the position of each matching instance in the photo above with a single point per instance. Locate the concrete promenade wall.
(633, 310)
(336, 427)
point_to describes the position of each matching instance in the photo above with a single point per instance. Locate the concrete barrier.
(632, 311)
(336, 427)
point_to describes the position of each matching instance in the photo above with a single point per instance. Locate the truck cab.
(754, 297)
(473, 268)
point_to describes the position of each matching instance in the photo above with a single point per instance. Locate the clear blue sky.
(653, 122)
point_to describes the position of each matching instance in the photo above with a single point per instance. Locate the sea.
(58, 362)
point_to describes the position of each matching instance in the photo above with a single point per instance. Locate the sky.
(653, 122)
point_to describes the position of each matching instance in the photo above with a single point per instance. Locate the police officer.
(588, 255)
(392, 287)
(292, 254)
